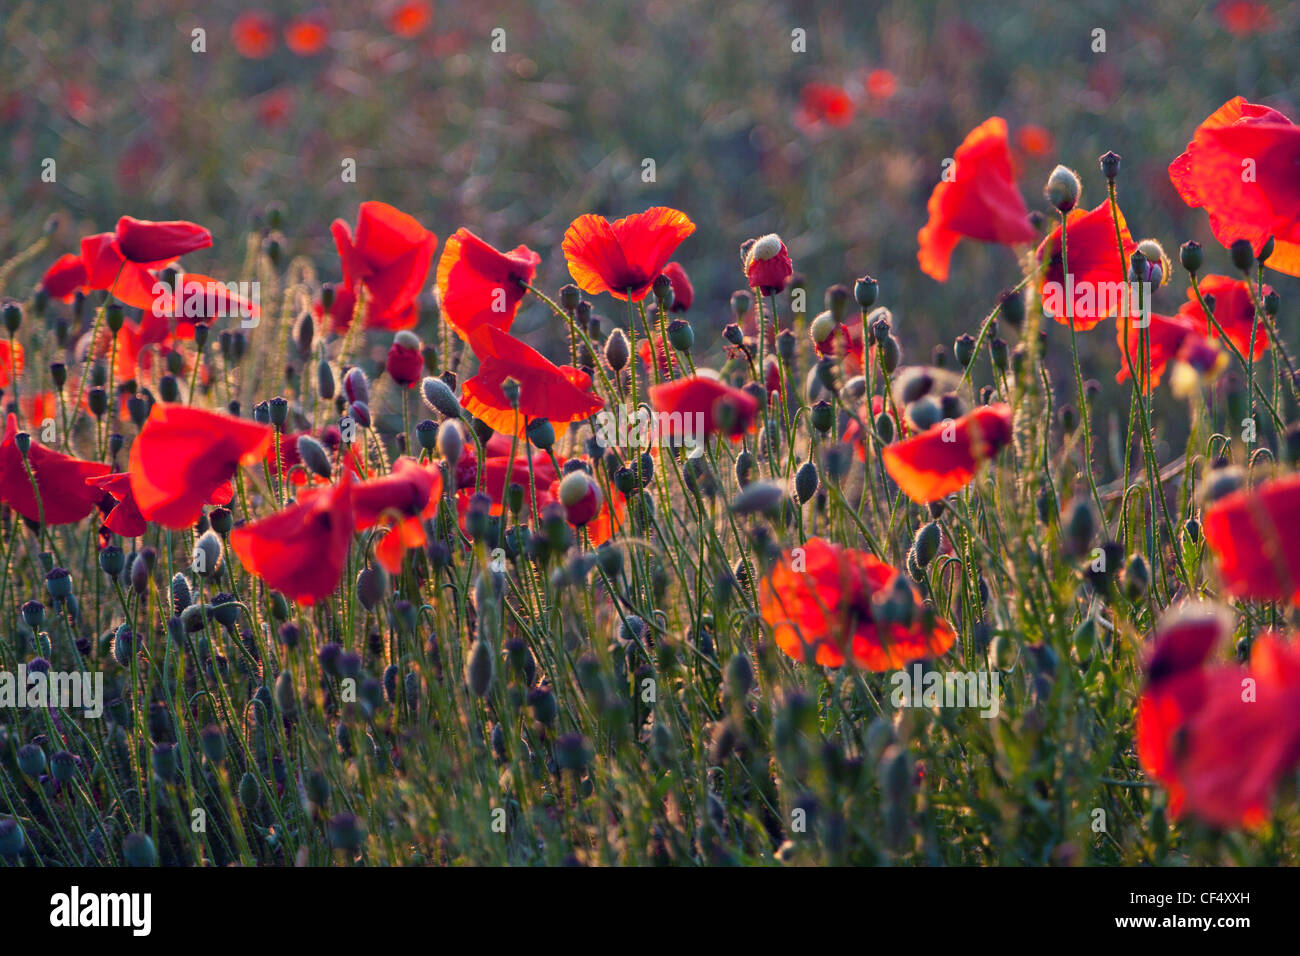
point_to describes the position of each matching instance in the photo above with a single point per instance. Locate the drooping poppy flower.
(1241, 168)
(1097, 286)
(818, 600)
(699, 406)
(124, 518)
(302, 550)
(254, 35)
(683, 291)
(767, 265)
(1244, 17)
(183, 455)
(61, 480)
(623, 257)
(389, 254)
(560, 394)
(152, 244)
(1255, 534)
(11, 362)
(479, 285)
(945, 458)
(976, 199)
(823, 104)
(1234, 310)
(1219, 737)
(410, 18)
(64, 277)
(307, 35)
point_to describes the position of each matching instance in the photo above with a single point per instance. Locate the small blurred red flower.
(823, 104)
(253, 34)
(944, 458)
(1255, 534)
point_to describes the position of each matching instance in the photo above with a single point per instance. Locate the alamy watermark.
(66, 690)
(191, 298)
(617, 428)
(919, 687)
(1099, 298)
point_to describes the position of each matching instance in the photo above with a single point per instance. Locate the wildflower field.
(649, 434)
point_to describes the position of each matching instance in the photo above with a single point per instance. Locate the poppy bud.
(823, 416)
(924, 413)
(1272, 302)
(1080, 526)
(1063, 188)
(570, 296)
(865, 291)
(767, 265)
(278, 408)
(806, 481)
(891, 354)
(404, 363)
(964, 349)
(479, 668)
(1265, 251)
(1110, 165)
(837, 302)
(439, 397)
(617, 351)
(356, 386)
(360, 412)
(1011, 308)
(756, 497)
(999, 351)
(140, 576)
(581, 497)
(822, 328)
(785, 348)
(1221, 482)
(541, 433)
(885, 427)
(13, 316)
(741, 302)
(212, 741)
(1243, 256)
(97, 399)
(314, 456)
(880, 322)
(1192, 256)
(663, 290)
(1137, 577)
(207, 554)
(926, 543)
(169, 388)
(138, 850)
(372, 585)
(451, 442)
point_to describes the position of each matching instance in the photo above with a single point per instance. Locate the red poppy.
(1234, 310)
(124, 518)
(818, 599)
(500, 472)
(1241, 167)
(331, 438)
(1033, 140)
(307, 35)
(61, 480)
(411, 18)
(254, 35)
(977, 199)
(399, 500)
(701, 406)
(767, 265)
(64, 277)
(1255, 534)
(823, 104)
(560, 394)
(1219, 737)
(1244, 17)
(302, 550)
(853, 433)
(683, 291)
(108, 270)
(945, 457)
(342, 310)
(404, 363)
(1165, 336)
(182, 455)
(845, 342)
(153, 244)
(203, 299)
(1097, 286)
(881, 85)
(390, 255)
(479, 285)
(39, 407)
(626, 256)
(11, 362)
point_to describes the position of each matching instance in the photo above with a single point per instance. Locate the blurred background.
(835, 146)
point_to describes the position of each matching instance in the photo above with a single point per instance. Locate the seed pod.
(806, 482)
(479, 669)
(926, 543)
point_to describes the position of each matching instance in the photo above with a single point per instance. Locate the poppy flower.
(1234, 310)
(818, 600)
(400, 499)
(64, 277)
(1219, 737)
(411, 18)
(853, 432)
(1240, 167)
(560, 394)
(158, 243)
(500, 472)
(389, 254)
(823, 104)
(124, 518)
(108, 270)
(1255, 534)
(301, 551)
(203, 299)
(1097, 286)
(61, 480)
(683, 291)
(1033, 140)
(881, 85)
(39, 407)
(1244, 17)
(307, 35)
(1165, 336)
(479, 285)
(11, 362)
(845, 342)
(701, 406)
(767, 265)
(626, 256)
(341, 312)
(601, 522)
(977, 199)
(945, 457)
(254, 35)
(182, 455)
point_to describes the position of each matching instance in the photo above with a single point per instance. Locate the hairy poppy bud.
(822, 416)
(451, 442)
(1266, 251)
(314, 456)
(1063, 188)
(617, 351)
(356, 386)
(926, 543)
(806, 481)
(837, 302)
(438, 396)
(479, 669)
(570, 296)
